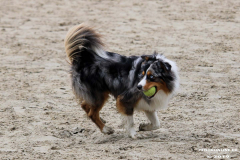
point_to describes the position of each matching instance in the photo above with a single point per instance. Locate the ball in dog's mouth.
(151, 92)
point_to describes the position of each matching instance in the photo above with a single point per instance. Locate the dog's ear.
(165, 66)
(149, 57)
(145, 57)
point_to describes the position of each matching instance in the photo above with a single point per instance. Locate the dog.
(96, 74)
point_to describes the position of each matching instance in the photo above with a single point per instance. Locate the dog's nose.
(139, 87)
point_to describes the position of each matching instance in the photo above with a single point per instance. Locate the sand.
(40, 118)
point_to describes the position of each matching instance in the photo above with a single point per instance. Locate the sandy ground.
(40, 118)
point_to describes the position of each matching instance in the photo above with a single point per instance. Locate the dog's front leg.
(127, 111)
(155, 124)
(130, 126)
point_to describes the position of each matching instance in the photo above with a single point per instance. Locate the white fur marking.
(107, 130)
(143, 81)
(99, 51)
(155, 124)
(159, 101)
(133, 70)
(130, 126)
(152, 116)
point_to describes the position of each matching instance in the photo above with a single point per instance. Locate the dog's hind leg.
(93, 114)
(87, 108)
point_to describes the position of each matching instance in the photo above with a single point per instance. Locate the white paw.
(107, 130)
(132, 133)
(148, 127)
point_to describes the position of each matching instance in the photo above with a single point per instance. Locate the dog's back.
(94, 71)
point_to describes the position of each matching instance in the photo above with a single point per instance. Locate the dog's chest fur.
(159, 101)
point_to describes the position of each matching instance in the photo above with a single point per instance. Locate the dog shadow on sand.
(140, 136)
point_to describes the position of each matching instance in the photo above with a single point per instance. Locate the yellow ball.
(150, 92)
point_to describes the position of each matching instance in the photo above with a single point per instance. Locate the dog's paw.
(144, 126)
(147, 127)
(107, 130)
(132, 133)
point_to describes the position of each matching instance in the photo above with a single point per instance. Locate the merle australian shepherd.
(96, 73)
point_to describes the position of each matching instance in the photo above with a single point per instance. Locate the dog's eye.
(151, 77)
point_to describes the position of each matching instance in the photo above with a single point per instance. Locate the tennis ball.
(150, 92)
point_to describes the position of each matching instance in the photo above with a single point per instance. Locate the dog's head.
(156, 72)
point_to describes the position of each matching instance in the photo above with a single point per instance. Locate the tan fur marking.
(146, 58)
(85, 107)
(94, 115)
(120, 106)
(160, 86)
(149, 73)
(93, 112)
(143, 72)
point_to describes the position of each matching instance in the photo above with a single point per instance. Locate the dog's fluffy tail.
(80, 39)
